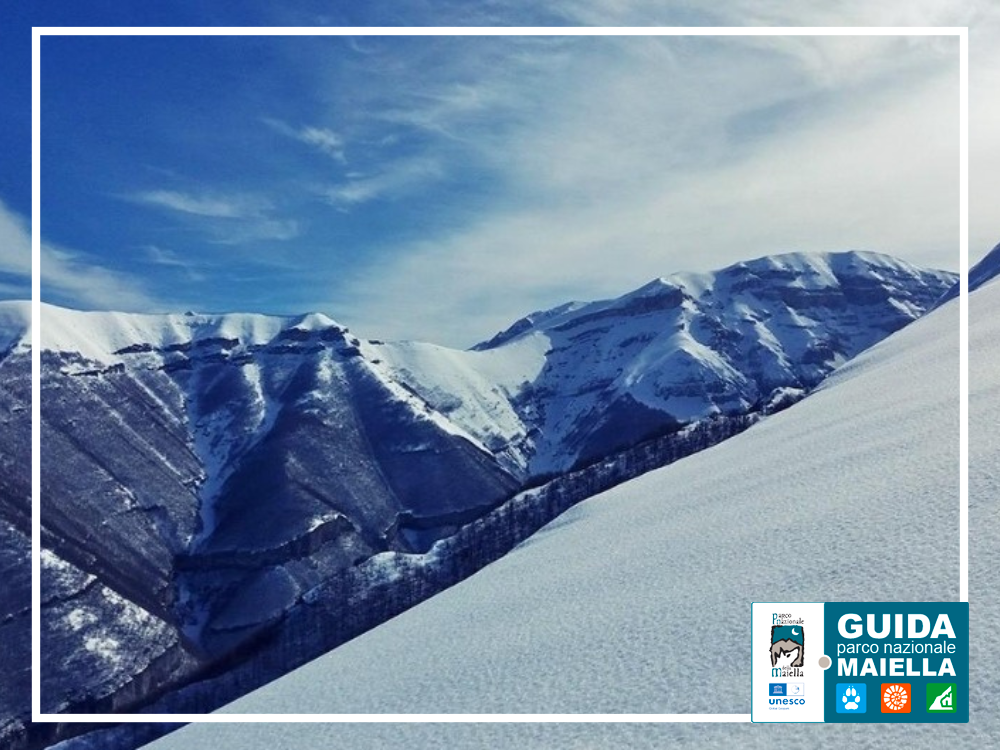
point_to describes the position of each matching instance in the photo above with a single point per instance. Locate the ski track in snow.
(595, 612)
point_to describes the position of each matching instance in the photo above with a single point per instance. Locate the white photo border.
(38, 32)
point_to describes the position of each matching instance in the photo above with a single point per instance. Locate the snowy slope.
(477, 391)
(240, 462)
(593, 614)
(984, 496)
(827, 500)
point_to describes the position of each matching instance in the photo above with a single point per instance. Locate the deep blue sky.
(439, 188)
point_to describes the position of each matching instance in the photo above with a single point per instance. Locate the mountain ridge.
(679, 348)
(16, 314)
(697, 282)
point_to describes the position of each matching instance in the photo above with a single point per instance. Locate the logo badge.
(796, 689)
(851, 697)
(787, 646)
(941, 697)
(896, 698)
(776, 688)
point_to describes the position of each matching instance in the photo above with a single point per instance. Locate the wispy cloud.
(72, 278)
(15, 244)
(225, 218)
(258, 230)
(442, 108)
(826, 59)
(162, 257)
(394, 180)
(209, 205)
(14, 290)
(324, 140)
(443, 186)
(69, 277)
(168, 259)
(766, 12)
(656, 156)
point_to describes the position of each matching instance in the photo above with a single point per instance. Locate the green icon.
(941, 697)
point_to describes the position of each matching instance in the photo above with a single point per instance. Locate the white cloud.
(982, 17)
(770, 12)
(256, 230)
(68, 276)
(13, 291)
(984, 135)
(15, 244)
(226, 218)
(397, 178)
(212, 206)
(73, 278)
(656, 156)
(163, 257)
(168, 259)
(324, 140)
(611, 161)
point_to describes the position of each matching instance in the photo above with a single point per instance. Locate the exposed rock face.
(203, 477)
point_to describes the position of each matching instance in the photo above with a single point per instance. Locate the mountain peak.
(315, 321)
(655, 286)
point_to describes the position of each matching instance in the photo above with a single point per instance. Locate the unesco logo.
(786, 693)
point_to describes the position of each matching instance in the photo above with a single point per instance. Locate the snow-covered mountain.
(212, 480)
(637, 600)
(231, 463)
(592, 378)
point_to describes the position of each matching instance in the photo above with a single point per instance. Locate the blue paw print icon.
(851, 697)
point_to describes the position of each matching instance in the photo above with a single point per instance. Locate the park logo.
(896, 698)
(788, 647)
(853, 697)
(941, 697)
(867, 662)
